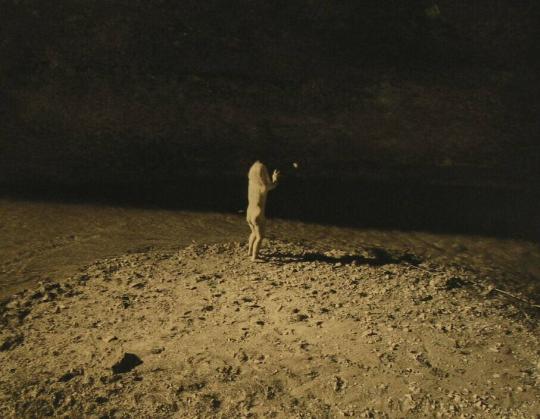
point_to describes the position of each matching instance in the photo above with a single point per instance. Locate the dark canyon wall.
(128, 92)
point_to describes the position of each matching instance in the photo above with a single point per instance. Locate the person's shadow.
(376, 257)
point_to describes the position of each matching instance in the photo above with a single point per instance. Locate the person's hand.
(275, 176)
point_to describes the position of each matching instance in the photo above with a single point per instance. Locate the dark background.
(415, 114)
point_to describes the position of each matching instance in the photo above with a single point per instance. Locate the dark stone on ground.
(126, 364)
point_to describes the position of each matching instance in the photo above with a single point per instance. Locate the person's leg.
(259, 235)
(252, 237)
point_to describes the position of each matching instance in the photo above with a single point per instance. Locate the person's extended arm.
(275, 180)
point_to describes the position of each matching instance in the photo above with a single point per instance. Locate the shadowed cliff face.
(128, 92)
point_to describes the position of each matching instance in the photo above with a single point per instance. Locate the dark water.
(508, 212)
(48, 234)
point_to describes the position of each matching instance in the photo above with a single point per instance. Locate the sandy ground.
(310, 332)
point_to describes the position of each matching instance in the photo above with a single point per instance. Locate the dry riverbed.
(311, 332)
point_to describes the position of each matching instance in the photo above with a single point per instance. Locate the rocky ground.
(310, 332)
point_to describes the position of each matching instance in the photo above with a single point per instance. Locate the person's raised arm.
(275, 180)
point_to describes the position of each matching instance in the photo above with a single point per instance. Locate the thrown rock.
(126, 364)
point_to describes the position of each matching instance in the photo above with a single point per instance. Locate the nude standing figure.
(259, 186)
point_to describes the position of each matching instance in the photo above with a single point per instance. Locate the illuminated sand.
(309, 333)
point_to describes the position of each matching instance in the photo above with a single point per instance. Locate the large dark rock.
(126, 364)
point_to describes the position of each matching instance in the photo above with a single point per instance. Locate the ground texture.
(309, 332)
